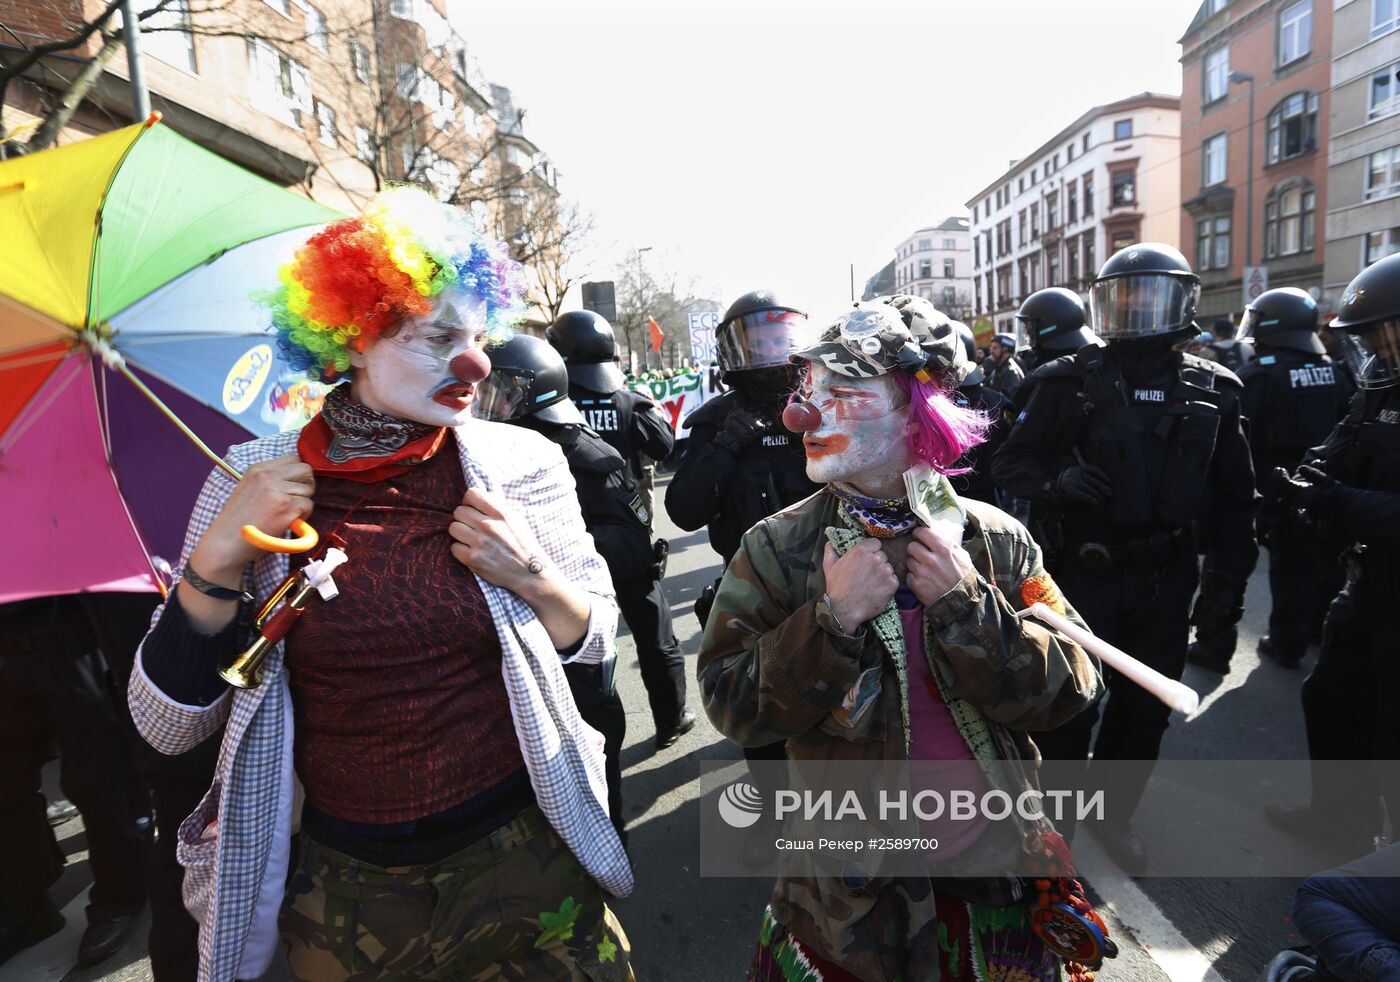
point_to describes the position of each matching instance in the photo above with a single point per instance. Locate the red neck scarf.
(349, 440)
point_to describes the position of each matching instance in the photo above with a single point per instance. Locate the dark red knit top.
(401, 709)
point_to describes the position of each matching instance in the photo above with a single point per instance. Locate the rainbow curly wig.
(357, 279)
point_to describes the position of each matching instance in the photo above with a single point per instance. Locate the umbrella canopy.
(127, 275)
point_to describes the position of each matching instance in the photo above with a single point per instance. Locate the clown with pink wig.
(875, 623)
(410, 713)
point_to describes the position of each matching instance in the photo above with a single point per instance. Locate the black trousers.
(1350, 701)
(62, 692)
(601, 708)
(1144, 613)
(1303, 579)
(648, 615)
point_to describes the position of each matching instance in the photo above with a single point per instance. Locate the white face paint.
(861, 438)
(409, 375)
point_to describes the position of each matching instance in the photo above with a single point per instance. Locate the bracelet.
(213, 589)
(830, 612)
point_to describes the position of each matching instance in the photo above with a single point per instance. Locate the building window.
(316, 33)
(925, 269)
(1383, 174)
(1385, 16)
(1052, 268)
(281, 86)
(1381, 244)
(325, 125)
(1121, 240)
(1288, 219)
(1124, 188)
(1022, 226)
(1072, 202)
(977, 250)
(1035, 222)
(950, 243)
(947, 269)
(1295, 32)
(1123, 129)
(1072, 255)
(1052, 211)
(359, 60)
(1091, 267)
(950, 297)
(1035, 175)
(1385, 91)
(1293, 127)
(1213, 243)
(364, 147)
(1069, 154)
(166, 35)
(1214, 161)
(1088, 195)
(1086, 142)
(1216, 78)
(925, 244)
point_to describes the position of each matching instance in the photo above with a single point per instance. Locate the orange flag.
(657, 335)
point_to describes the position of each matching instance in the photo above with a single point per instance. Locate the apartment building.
(936, 263)
(1255, 78)
(1108, 179)
(1363, 152)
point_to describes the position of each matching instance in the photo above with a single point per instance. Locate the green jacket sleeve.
(772, 662)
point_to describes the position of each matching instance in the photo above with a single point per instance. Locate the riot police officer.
(1350, 699)
(741, 464)
(977, 483)
(1129, 442)
(1055, 323)
(527, 387)
(631, 424)
(1004, 372)
(628, 420)
(1293, 396)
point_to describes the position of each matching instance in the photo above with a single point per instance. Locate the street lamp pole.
(1236, 78)
(642, 280)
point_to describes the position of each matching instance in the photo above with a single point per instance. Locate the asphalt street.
(685, 928)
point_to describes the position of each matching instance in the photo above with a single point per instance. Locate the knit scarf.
(350, 440)
(882, 518)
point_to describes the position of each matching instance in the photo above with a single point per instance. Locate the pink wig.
(940, 431)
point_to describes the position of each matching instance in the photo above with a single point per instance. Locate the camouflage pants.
(514, 905)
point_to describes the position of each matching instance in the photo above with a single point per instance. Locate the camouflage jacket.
(773, 666)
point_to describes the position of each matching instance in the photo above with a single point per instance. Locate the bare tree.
(551, 246)
(958, 306)
(640, 295)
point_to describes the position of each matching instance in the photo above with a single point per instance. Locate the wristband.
(831, 615)
(213, 589)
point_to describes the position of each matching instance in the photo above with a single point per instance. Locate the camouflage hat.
(888, 333)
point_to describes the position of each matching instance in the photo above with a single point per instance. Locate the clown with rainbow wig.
(876, 622)
(415, 721)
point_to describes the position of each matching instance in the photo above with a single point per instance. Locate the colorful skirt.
(975, 944)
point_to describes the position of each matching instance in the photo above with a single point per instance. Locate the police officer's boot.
(1213, 647)
(1288, 659)
(25, 927)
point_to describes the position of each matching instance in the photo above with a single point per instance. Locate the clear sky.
(771, 144)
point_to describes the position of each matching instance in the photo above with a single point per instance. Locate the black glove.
(1085, 484)
(741, 427)
(1220, 602)
(1308, 488)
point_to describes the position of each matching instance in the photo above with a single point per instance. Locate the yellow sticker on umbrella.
(246, 379)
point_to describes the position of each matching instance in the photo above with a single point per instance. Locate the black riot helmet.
(759, 331)
(1370, 319)
(1283, 318)
(586, 342)
(1054, 320)
(528, 378)
(1146, 290)
(969, 343)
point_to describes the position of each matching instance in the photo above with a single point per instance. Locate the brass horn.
(245, 670)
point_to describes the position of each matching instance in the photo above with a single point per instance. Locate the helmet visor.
(501, 395)
(1377, 350)
(762, 339)
(1143, 306)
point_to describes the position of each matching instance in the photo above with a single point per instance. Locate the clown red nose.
(471, 366)
(802, 417)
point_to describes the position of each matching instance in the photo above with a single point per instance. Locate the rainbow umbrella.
(129, 340)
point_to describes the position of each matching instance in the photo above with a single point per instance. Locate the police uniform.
(730, 491)
(1292, 400)
(1131, 443)
(977, 482)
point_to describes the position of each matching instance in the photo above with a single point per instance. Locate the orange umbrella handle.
(304, 542)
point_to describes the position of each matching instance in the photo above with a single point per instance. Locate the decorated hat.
(879, 336)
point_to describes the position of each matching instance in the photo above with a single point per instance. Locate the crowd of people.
(423, 778)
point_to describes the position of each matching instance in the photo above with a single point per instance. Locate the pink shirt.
(933, 735)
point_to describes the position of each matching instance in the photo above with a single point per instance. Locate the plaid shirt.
(234, 845)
